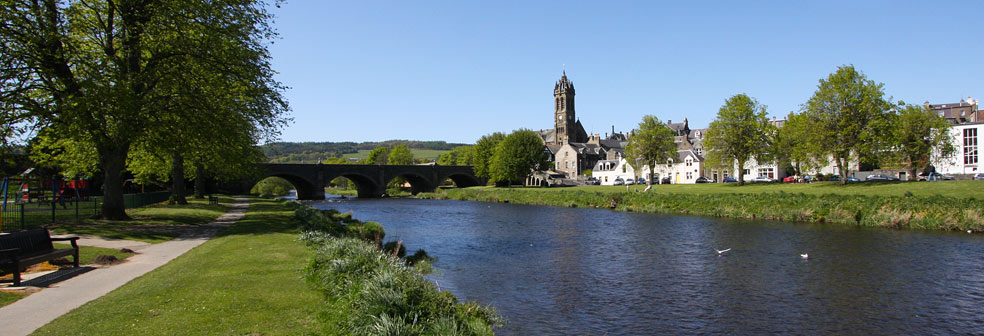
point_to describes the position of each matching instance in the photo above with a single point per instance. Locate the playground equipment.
(31, 190)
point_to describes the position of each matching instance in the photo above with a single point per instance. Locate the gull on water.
(805, 255)
(722, 251)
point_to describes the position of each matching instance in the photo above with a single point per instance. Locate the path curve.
(34, 311)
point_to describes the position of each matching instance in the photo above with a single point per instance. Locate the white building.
(607, 171)
(966, 159)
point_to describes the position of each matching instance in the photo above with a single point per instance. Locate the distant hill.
(296, 152)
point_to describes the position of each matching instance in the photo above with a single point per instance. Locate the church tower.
(564, 120)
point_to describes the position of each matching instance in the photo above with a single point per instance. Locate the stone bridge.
(311, 179)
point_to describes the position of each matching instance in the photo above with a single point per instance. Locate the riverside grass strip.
(957, 205)
(245, 281)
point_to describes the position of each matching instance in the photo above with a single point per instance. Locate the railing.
(17, 216)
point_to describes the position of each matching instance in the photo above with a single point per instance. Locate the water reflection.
(561, 271)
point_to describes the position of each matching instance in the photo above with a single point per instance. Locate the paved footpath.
(36, 310)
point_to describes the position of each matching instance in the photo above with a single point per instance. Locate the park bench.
(213, 199)
(21, 249)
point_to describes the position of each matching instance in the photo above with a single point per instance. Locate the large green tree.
(650, 145)
(740, 132)
(400, 155)
(517, 156)
(845, 112)
(918, 138)
(378, 156)
(794, 144)
(97, 72)
(484, 151)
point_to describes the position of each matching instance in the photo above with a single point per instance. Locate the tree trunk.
(112, 161)
(741, 173)
(840, 168)
(199, 181)
(912, 173)
(177, 180)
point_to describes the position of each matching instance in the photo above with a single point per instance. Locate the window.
(623, 168)
(970, 146)
(567, 164)
(689, 162)
(770, 172)
(744, 172)
(697, 150)
(689, 175)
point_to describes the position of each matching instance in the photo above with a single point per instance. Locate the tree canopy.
(650, 145)
(400, 155)
(919, 138)
(517, 156)
(740, 133)
(109, 74)
(485, 149)
(844, 114)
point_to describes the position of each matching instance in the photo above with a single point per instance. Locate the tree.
(461, 156)
(740, 132)
(378, 156)
(795, 144)
(844, 111)
(517, 156)
(484, 151)
(651, 144)
(919, 138)
(400, 155)
(96, 72)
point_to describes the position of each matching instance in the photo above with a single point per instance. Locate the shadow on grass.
(264, 216)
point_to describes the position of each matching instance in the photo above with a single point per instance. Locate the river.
(571, 271)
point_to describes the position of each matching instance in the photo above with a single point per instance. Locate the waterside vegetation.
(371, 290)
(957, 205)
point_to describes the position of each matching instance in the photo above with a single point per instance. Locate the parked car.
(763, 179)
(629, 181)
(729, 179)
(789, 179)
(665, 180)
(931, 176)
(979, 176)
(838, 178)
(641, 180)
(703, 180)
(880, 177)
(592, 181)
(618, 181)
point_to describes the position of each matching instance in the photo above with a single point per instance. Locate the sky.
(456, 70)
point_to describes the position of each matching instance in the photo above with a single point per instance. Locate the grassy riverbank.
(258, 278)
(246, 281)
(952, 205)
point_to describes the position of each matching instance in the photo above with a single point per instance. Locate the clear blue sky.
(456, 70)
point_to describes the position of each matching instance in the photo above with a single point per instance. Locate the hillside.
(296, 152)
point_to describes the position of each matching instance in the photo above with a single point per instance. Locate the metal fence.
(21, 215)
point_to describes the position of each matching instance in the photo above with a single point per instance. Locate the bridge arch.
(366, 186)
(418, 182)
(461, 180)
(306, 189)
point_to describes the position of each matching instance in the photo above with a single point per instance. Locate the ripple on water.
(562, 271)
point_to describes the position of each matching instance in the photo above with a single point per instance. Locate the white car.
(618, 181)
(629, 182)
(979, 176)
(763, 179)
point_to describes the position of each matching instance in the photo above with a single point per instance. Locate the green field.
(427, 154)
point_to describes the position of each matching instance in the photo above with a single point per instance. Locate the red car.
(789, 179)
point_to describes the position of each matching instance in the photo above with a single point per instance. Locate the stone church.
(571, 149)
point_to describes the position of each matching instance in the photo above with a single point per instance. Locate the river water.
(571, 271)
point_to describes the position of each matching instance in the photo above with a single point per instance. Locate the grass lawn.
(959, 189)
(246, 281)
(429, 154)
(153, 223)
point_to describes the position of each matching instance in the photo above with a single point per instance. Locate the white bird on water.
(722, 251)
(805, 255)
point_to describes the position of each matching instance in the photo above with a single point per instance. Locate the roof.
(601, 163)
(548, 135)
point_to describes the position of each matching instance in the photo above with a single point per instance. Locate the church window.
(563, 103)
(558, 103)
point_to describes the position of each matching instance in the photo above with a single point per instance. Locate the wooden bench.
(21, 249)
